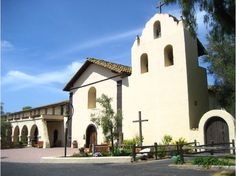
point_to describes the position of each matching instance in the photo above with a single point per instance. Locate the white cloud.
(97, 42)
(6, 45)
(18, 79)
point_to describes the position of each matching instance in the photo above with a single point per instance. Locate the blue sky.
(44, 42)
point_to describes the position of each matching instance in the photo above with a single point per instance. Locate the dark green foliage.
(221, 55)
(5, 134)
(219, 15)
(105, 153)
(209, 161)
(177, 159)
(161, 151)
(81, 150)
(122, 152)
(24, 140)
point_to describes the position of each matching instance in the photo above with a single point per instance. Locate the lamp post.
(71, 112)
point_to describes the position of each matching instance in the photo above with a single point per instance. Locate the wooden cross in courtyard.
(140, 127)
(160, 5)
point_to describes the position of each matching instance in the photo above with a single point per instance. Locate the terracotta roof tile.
(119, 68)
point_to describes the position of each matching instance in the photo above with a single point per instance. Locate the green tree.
(108, 119)
(1, 109)
(221, 54)
(220, 19)
(26, 108)
(5, 134)
(220, 14)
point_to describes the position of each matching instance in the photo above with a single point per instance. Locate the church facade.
(164, 84)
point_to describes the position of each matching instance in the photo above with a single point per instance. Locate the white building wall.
(82, 115)
(161, 93)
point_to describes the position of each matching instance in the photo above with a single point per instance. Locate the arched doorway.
(216, 130)
(55, 138)
(91, 136)
(16, 135)
(24, 135)
(34, 135)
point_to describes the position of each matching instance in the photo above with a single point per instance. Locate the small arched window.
(144, 63)
(92, 98)
(169, 58)
(157, 29)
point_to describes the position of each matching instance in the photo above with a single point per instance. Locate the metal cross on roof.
(160, 5)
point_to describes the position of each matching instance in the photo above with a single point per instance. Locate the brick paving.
(32, 155)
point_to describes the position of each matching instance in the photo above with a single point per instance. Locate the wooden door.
(216, 130)
(91, 136)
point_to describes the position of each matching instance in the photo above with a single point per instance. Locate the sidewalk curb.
(86, 160)
(184, 166)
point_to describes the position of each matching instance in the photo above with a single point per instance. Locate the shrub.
(209, 161)
(128, 143)
(177, 159)
(180, 141)
(116, 151)
(122, 152)
(105, 153)
(161, 151)
(167, 139)
(81, 150)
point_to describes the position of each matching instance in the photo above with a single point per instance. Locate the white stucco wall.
(162, 94)
(82, 114)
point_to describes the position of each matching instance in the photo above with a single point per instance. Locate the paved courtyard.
(32, 155)
(26, 162)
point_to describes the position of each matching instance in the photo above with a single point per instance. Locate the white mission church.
(165, 83)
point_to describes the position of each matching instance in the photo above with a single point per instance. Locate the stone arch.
(24, 134)
(215, 116)
(16, 134)
(91, 136)
(34, 132)
(168, 54)
(92, 98)
(157, 29)
(144, 63)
